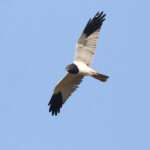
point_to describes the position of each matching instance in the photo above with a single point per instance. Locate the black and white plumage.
(85, 50)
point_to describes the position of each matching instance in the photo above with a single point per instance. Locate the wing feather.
(86, 46)
(63, 90)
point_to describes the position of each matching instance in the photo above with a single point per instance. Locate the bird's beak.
(67, 68)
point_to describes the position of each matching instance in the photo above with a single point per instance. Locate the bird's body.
(85, 50)
(84, 69)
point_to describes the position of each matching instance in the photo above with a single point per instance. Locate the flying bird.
(85, 50)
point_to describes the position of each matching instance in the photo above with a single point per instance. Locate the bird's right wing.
(86, 46)
(63, 90)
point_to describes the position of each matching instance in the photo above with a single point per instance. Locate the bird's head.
(72, 68)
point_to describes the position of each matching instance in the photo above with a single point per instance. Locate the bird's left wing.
(63, 90)
(86, 46)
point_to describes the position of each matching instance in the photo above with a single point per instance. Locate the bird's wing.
(86, 46)
(63, 90)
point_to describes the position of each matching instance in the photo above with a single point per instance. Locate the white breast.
(84, 69)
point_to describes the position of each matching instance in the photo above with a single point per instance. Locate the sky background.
(37, 42)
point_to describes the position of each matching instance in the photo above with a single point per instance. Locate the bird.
(85, 50)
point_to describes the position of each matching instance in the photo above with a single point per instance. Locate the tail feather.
(100, 77)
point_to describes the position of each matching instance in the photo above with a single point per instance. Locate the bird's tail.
(100, 77)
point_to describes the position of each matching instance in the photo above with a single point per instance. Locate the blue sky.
(37, 42)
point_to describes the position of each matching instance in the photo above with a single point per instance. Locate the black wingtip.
(55, 103)
(95, 23)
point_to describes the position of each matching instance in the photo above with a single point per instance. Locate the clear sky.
(37, 42)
